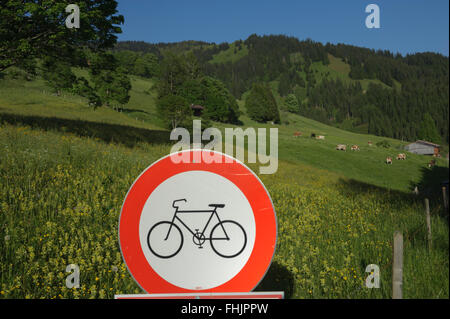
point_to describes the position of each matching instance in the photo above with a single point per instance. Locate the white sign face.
(197, 230)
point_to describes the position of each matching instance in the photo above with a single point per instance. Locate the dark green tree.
(35, 29)
(291, 103)
(220, 104)
(83, 88)
(110, 81)
(173, 73)
(113, 87)
(192, 67)
(181, 76)
(147, 65)
(57, 74)
(174, 110)
(284, 85)
(261, 105)
(428, 130)
(127, 60)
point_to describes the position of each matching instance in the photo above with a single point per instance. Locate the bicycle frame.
(213, 212)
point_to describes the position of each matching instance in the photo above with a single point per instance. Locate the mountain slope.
(355, 88)
(367, 166)
(65, 170)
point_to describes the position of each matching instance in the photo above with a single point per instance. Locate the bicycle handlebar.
(178, 200)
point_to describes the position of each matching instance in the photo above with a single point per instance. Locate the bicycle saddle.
(217, 205)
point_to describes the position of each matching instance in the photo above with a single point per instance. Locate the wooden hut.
(197, 109)
(423, 148)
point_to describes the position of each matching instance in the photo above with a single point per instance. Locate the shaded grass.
(110, 133)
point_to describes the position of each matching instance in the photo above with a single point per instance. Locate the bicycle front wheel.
(162, 243)
(228, 239)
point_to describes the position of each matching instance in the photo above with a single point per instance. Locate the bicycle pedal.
(200, 247)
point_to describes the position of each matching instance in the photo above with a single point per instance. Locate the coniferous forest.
(379, 93)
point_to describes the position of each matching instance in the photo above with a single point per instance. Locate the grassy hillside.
(65, 170)
(232, 54)
(338, 69)
(367, 165)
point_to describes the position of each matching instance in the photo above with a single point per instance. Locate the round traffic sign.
(197, 226)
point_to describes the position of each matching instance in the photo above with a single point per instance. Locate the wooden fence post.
(444, 195)
(397, 266)
(428, 217)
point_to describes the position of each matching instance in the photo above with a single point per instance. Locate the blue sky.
(407, 26)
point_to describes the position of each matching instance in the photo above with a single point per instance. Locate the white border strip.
(210, 295)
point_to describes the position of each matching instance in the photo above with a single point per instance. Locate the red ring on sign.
(249, 184)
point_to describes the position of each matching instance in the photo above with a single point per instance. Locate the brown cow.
(436, 155)
(432, 163)
(401, 156)
(297, 134)
(370, 143)
(320, 137)
(388, 160)
(355, 148)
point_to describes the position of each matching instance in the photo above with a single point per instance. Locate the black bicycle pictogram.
(227, 238)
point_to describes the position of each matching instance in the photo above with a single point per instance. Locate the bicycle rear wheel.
(228, 239)
(161, 246)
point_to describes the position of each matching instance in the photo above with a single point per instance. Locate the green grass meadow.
(66, 168)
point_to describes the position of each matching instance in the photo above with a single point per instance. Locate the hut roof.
(427, 143)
